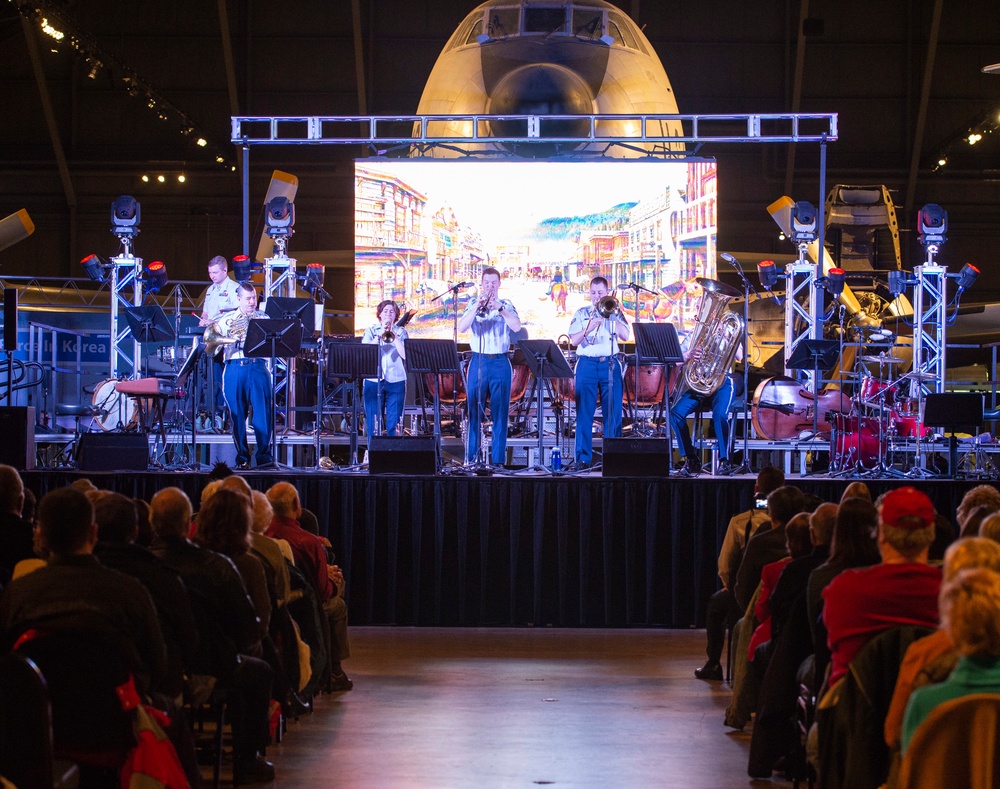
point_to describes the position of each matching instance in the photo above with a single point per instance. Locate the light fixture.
(161, 178)
(933, 223)
(181, 178)
(201, 142)
(156, 276)
(835, 282)
(967, 276)
(145, 178)
(95, 267)
(125, 213)
(974, 137)
(49, 30)
(315, 273)
(280, 217)
(242, 268)
(803, 221)
(768, 273)
(942, 162)
(897, 283)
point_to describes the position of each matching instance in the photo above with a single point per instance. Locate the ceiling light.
(201, 142)
(219, 159)
(974, 138)
(181, 178)
(145, 178)
(942, 162)
(161, 178)
(58, 35)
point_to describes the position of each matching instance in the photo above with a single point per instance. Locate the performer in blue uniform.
(387, 393)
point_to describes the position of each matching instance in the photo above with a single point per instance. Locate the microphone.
(726, 256)
(464, 285)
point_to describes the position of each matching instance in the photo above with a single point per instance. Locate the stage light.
(933, 223)
(156, 276)
(145, 179)
(95, 267)
(181, 178)
(768, 273)
(315, 273)
(897, 283)
(967, 276)
(974, 138)
(242, 268)
(125, 212)
(280, 215)
(835, 282)
(161, 178)
(803, 221)
(201, 142)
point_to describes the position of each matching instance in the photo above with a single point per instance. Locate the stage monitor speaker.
(10, 319)
(17, 426)
(114, 452)
(636, 457)
(402, 455)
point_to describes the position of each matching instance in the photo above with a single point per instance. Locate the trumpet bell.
(326, 462)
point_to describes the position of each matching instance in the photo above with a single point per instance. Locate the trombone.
(607, 307)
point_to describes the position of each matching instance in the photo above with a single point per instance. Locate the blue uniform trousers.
(247, 383)
(383, 397)
(492, 384)
(689, 402)
(592, 378)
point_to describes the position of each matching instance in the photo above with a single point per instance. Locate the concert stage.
(517, 549)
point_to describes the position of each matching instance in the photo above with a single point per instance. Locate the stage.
(517, 549)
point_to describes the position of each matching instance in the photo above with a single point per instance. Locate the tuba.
(718, 332)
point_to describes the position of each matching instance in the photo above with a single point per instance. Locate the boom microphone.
(727, 256)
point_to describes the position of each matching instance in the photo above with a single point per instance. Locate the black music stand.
(268, 338)
(952, 411)
(355, 362)
(812, 355)
(293, 309)
(190, 370)
(657, 343)
(545, 360)
(147, 324)
(436, 357)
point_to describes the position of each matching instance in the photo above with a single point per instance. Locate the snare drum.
(115, 409)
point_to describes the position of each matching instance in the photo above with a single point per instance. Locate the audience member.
(902, 590)
(970, 612)
(980, 495)
(856, 490)
(327, 579)
(974, 519)
(269, 550)
(722, 610)
(15, 531)
(767, 546)
(29, 506)
(990, 527)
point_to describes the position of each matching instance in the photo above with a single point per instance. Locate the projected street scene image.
(425, 231)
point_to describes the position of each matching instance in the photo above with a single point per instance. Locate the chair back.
(958, 745)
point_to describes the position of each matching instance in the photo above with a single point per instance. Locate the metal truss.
(279, 281)
(802, 310)
(126, 272)
(930, 326)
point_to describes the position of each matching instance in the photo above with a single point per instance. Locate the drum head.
(116, 410)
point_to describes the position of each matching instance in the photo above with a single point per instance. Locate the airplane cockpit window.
(474, 31)
(503, 22)
(544, 20)
(588, 23)
(619, 30)
(466, 32)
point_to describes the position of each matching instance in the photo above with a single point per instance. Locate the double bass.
(782, 408)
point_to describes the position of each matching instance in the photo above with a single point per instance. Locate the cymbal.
(917, 375)
(882, 359)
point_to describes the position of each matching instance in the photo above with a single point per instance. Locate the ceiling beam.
(925, 94)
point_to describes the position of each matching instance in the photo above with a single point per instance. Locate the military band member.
(387, 393)
(220, 297)
(690, 401)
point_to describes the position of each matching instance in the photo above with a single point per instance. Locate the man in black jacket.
(15, 532)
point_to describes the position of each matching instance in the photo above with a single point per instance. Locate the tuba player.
(246, 382)
(596, 337)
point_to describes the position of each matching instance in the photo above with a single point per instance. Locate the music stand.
(148, 324)
(952, 411)
(269, 338)
(287, 309)
(188, 370)
(545, 360)
(657, 343)
(811, 355)
(354, 361)
(435, 357)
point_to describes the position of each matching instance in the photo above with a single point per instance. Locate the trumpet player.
(491, 321)
(387, 393)
(596, 331)
(246, 382)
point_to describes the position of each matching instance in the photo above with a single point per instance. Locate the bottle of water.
(555, 459)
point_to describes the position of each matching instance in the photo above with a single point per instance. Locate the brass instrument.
(718, 332)
(388, 336)
(214, 339)
(607, 307)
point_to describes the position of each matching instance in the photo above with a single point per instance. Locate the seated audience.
(990, 527)
(974, 519)
(856, 490)
(270, 551)
(979, 496)
(15, 531)
(767, 546)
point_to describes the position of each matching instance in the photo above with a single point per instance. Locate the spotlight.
(933, 223)
(95, 267)
(242, 268)
(803, 221)
(768, 273)
(835, 282)
(125, 212)
(156, 276)
(967, 276)
(280, 216)
(897, 283)
(315, 273)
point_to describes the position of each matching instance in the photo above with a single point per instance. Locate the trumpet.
(388, 336)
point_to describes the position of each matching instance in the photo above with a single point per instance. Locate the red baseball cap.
(907, 508)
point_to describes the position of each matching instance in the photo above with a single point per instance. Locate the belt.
(598, 359)
(241, 362)
(490, 355)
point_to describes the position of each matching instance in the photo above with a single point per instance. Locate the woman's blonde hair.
(970, 611)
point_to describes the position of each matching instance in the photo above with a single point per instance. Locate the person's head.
(170, 513)
(905, 524)
(974, 519)
(66, 523)
(490, 281)
(976, 497)
(11, 490)
(853, 543)
(968, 553)
(768, 480)
(857, 490)
(821, 523)
(943, 537)
(209, 490)
(990, 527)
(970, 611)
(117, 520)
(284, 500)
(83, 485)
(219, 471)
(598, 289)
(782, 504)
(263, 512)
(387, 311)
(30, 506)
(246, 297)
(237, 483)
(218, 269)
(797, 535)
(224, 523)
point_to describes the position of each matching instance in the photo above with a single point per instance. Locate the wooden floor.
(509, 707)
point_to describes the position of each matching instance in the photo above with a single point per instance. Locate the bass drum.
(452, 386)
(854, 439)
(115, 410)
(519, 381)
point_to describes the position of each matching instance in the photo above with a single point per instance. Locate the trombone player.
(387, 393)
(596, 331)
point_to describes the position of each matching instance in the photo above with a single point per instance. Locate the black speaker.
(17, 426)
(636, 457)
(402, 455)
(114, 452)
(10, 319)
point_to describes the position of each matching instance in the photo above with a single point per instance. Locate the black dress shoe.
(244, 466)
(294, 706)
(710, 671)
(726, 468)
(692, 468)
(253, 771)
(339, 682)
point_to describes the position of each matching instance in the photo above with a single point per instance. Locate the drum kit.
(885, 413)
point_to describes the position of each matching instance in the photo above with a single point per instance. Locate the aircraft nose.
(542, 89)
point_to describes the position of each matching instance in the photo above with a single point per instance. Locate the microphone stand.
(635, 288)
(453, 290)
(748, 288)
